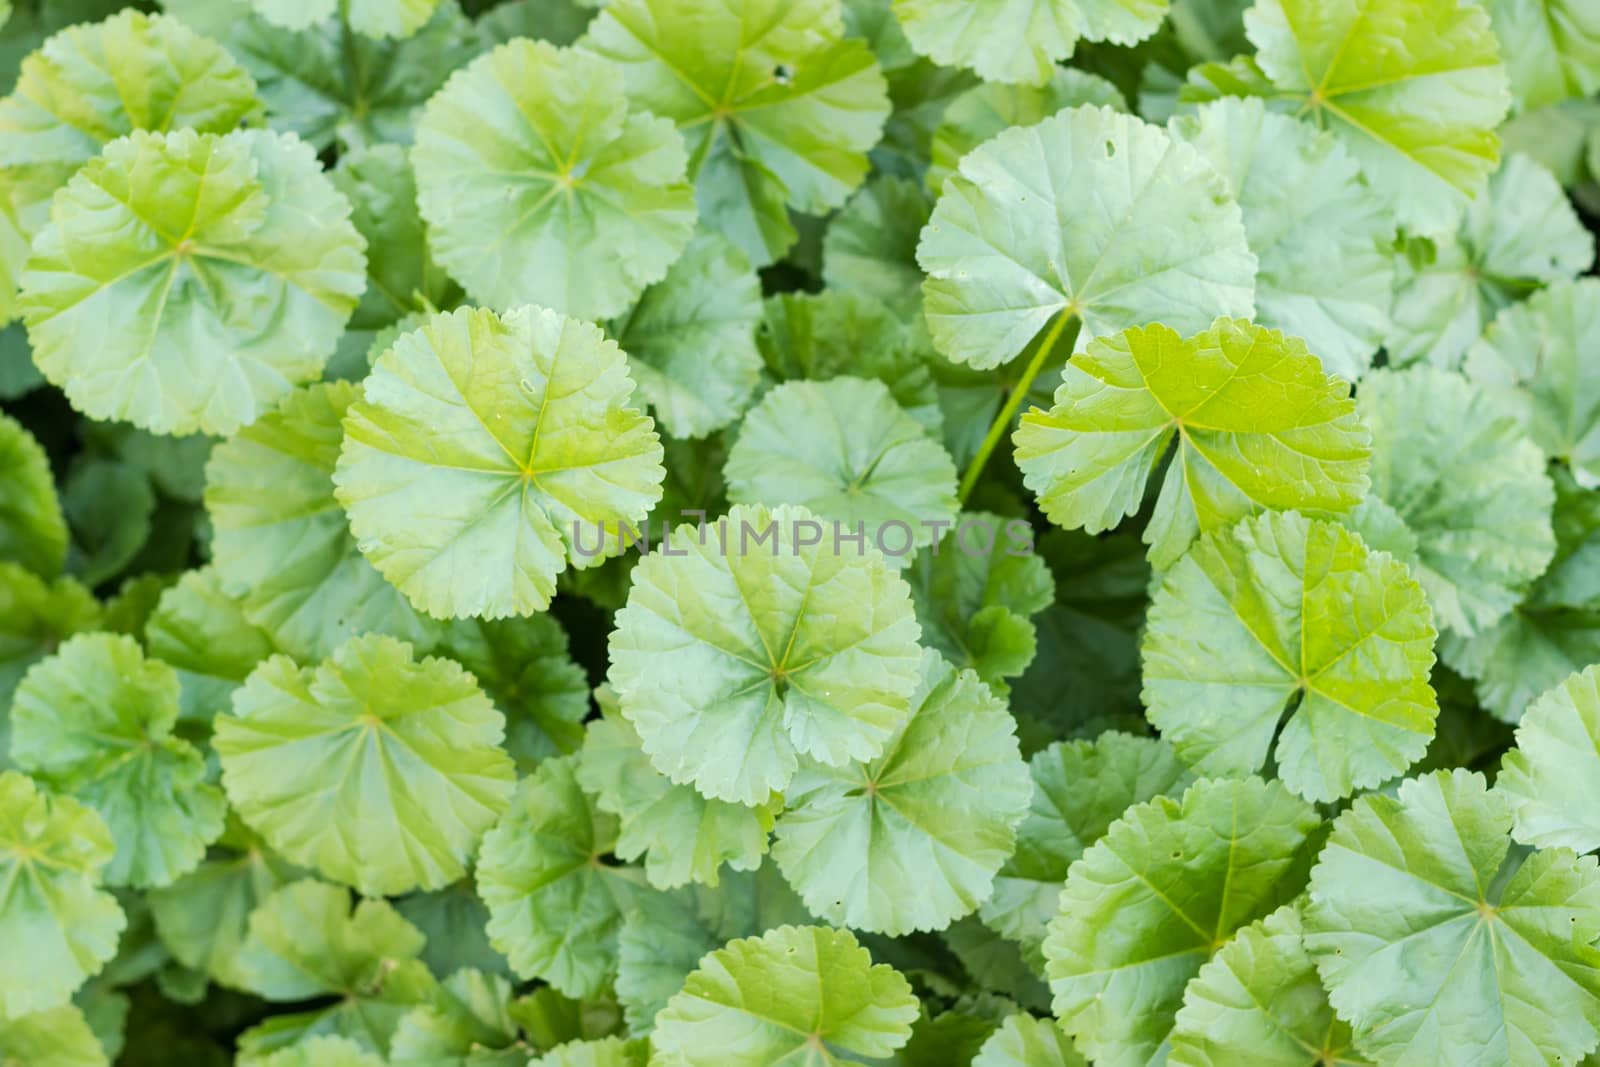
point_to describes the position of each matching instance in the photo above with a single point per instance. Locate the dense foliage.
(736, 533)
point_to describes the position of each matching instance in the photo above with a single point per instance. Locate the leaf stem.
(1066, 325)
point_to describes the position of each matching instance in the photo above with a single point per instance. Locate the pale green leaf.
(691, 338)
(1414, 88)
(1024, 1041)
(1079, 789)
(325, 1051)
(56, 1037)
(468, 1024)
(1089, 213)
(784, 998)
(1259, 426)
(1537, 356)
(554, 906)
(1550, 778)
(187, 281)
(912, 839)
(985, 110)
(540, 186)
(481, 448)
(682, 835)
(305, 941)
(375, 18)
(1151, 902)
(1520, 234)
(279, 538)
(32, 529)
(847, 452)
(1288, 637)
(1259, 1001)
(604, 1052)
(752, 648)
(1021, 40)
(776, 107)
(52, 850)
(1440, 944)
(1467, 484)
(1326, 275)
(378, 770)
(96, 720)
(35, 617)
(1551, 48)
(202, 633)
(871, 244)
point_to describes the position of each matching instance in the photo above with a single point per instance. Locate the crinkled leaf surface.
(777, 108)
(55, 1037)
(554, 907)
(683, 836)
(912, 839)
(1021, 40)
(1283, 619)
(752, 648)
(187, 281)
(1467, 484)
(96, 720)
(1079, 789)
(1538, 356)
(1550, 778)
(1439, 944)
(1414, 88)
(1150, 903)
(847, 452)
(378, 770)
(1258, 424)
(482, 447)
(691, 338)
(1322, 238)
(539, 185)
(1520, 234)
(1259, 1001)
(32, 529)
(786, 997)
(280, 540)
(52, 850)
(1551, 48)
(1063, 217)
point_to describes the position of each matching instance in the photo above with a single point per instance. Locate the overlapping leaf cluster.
(749, 532)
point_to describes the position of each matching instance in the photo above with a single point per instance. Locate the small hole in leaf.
(1111, 150)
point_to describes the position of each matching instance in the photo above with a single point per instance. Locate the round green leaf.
(1550, 778)
(375, 18)
(1324, 241)
(1259, 1001)
(279, 538)
(845, 450)
(1537, 356)
(1551, 48)
(1414, 88)
(912, 839)
(201, 633)
(32, 530)
(1151, 902)
(1291, 621)
(469, 1024)
(57, 1037)
(1467, 484)
(747, 647)
(777, 108)
(1062, 218)
(1021, 40)
(1079, 789)
(1441, 945)
(1024, 1041)
(1520, 234)
(96, 720)
(991, 108)
(1259, 426)
(35, 617)
(554, 906)
(788, 996)
(540, 186)
(482, 447)
(871, 245)
(91, 84)
(682, 835)
(325, 1051)
(51, 852)
(187, 281)
(605, 1052)
(374, 768)
(691, 338)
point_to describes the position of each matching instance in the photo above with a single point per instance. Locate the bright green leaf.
(604, 1052)
(469, 1024)
(32, 530)
(35, 617)
(1551, 48)
(1549, 778)
(202, 633)
(325, 1051)
(56, 1037)
(375, 18)
(1024, 1041)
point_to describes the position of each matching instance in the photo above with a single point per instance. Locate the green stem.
(1002, 421)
